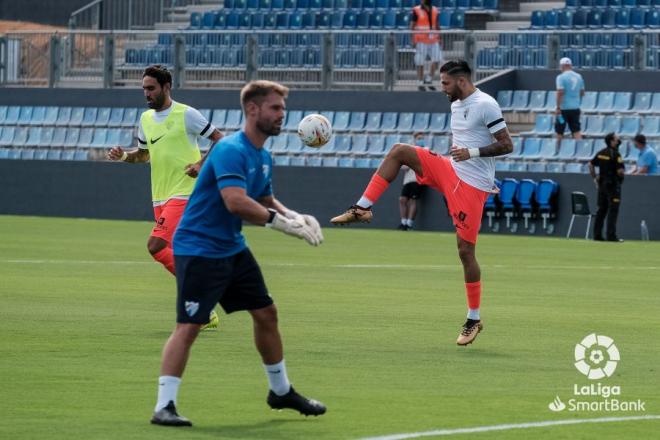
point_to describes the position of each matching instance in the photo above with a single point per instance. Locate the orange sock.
(166, 257)
(376, 188)
(473, 291)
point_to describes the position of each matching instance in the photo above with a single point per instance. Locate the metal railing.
(124, 14)
(321, 59)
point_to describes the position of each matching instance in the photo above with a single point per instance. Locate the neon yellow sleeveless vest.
(169, 153)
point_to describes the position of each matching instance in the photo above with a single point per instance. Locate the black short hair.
(640, 138)
(457, 68)
(609, 137)
(160, 73)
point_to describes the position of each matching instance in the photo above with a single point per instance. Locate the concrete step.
(506, 25)
(169, 26)
(515, 16)
(540, 6)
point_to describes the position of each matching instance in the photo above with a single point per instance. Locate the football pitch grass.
(369, 321)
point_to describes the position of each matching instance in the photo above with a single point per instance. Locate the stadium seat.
(501, 165)
(605, 102)
(611, 124)
(579, 208)
(40, 154)
(524, 197)
(34, 137)
(589, 101)
(7, 136)
(551, 19)
(520, 100)
(421, 122)
(507, 197)
(362, 163)
(72, 136)
(546, 197)
(630, 126)
(346, 162)
(54, 154)
(46, 138)
(440, 145)
(359, 144)
(341, 120)
(554, 167)
(532, 148)
(537, 100)
(548, 148)
(357, 121)
(59, 135)
(594, 126)
(330, 162)
(14, 153)
(566, 149)
(594, 19)
(81, 155)
(38, 116)
(25, 115)
(651, 126)
(13, 112)
(536, 167)
(20, 136)
(504, 99)
(458, 20)
(439, 123)
(373, 121)
(4, 152)
(131, 117)
(27, 153)
(638, 18)
(389, 121)
(517, 148)
(234, 120)
(584, 149)
(405, 123)
(342, 144)
(99, 138)
(544, 125)
(642, 102)
(376, 145)
(89, 116)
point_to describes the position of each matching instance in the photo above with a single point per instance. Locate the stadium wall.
(121, 191)
(53, 12)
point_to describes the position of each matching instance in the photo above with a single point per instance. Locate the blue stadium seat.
(544, 124)
(389, 121)
(362, 163)
(34, 137)
(638, 18)
(12, 115)
(59, 135)
(38, 116)
(491, 5)
(116, 117)
(445, 19)
(623, 18)
(421, 122)
(504, 98)
(284, 161)
(537, 100)
(20, 136)
(651, 126)
(99, 138)
(234, 120)
(520, 100)
(341, 121)
(532, 148)
(653, 16)
(500, 165)
(342, 143)
(642, 101)
(113, 137)
(46, 137)
(405, 123)
(551, 20)
(611, 124)
(373, 121)
(81, 155)
(357, 121)
(589, 101)
(7, 136)
(195, 20)
(40, 154)
(27, 153)
(438, 123)
(594, 19)
(131, 117)
(346, 162)
(584, 149)
(538, 20)
(507, 197)
(548, 148)
(457, 20)
(390, 19)
(525, 194)
(359, 143)
(517, 148)
(594, 126)
(609, 18)
(54, 154)
(86, 136)
(630, 126)
(25, 115)
(330, 162)
(554, 167)
(566, 18)
(376, 145)
(551, 101)
(14, 153)
(566, 149)
(67, 154)
(363, 17)
(77, 114)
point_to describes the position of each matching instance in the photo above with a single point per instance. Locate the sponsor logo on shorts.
(460, 220)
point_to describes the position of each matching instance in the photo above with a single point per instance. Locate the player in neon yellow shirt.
(167, 138)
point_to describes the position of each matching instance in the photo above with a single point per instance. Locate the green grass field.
(369, 321)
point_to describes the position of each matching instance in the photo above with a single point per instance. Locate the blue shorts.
(235, 282)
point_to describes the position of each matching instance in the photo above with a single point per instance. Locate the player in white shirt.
(465, 179)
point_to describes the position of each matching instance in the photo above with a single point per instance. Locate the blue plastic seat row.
(596, 18)
(198, 19)
(69, 116)
(503, 57)
(65, 137)
(43, 154)
(601, 102)
(611, 3)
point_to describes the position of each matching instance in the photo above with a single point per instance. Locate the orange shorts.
(167, 218)
(465, 202)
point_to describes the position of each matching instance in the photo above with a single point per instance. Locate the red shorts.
(167, 218)
(465, 202)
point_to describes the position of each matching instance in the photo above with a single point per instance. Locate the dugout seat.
(579, 208)
(507, 198)
(547, 196)
(492, 207)
(525, 200)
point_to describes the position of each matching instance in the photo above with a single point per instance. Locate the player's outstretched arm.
(134, 156)
(240, 204)
(503, 145)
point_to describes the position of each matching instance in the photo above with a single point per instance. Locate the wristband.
(124, 156)
(272, 213)
(474, 152)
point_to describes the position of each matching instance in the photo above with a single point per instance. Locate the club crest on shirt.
(265, 169)
(465, 113)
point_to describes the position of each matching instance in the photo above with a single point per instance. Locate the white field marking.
(358, 266)
(477, 429)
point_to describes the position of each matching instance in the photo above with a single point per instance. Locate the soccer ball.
(315, 130)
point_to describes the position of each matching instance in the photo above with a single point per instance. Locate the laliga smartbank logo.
(596, 357)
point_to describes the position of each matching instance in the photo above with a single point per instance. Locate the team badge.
(191, 308)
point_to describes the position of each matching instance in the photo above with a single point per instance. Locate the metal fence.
(299, 59)
(124, 14)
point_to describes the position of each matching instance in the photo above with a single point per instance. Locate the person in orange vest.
(425, 17)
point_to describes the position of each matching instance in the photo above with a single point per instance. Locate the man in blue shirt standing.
(647, 161)
(213, 263)
(570, 90)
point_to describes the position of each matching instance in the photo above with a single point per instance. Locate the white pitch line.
(356, 266)
(478, 429)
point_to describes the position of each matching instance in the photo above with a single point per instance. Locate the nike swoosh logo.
(153, 141)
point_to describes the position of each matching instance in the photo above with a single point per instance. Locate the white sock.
(404, 221)
(168, 387)
(277, 378)
(364, 202)
(409, 222)
(474, 314)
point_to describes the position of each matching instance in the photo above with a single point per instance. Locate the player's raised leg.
(269, 344)
(472, 274)
(360, 212)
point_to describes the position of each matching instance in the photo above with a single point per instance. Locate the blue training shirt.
(572, 84)
(647, 158)
(207, 228)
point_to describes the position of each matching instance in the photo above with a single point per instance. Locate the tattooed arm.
(503, 145)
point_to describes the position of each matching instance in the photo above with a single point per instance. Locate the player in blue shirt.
(570, 90)
(647, 161)
(213, 264)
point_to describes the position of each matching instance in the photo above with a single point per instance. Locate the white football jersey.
(473, 122)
